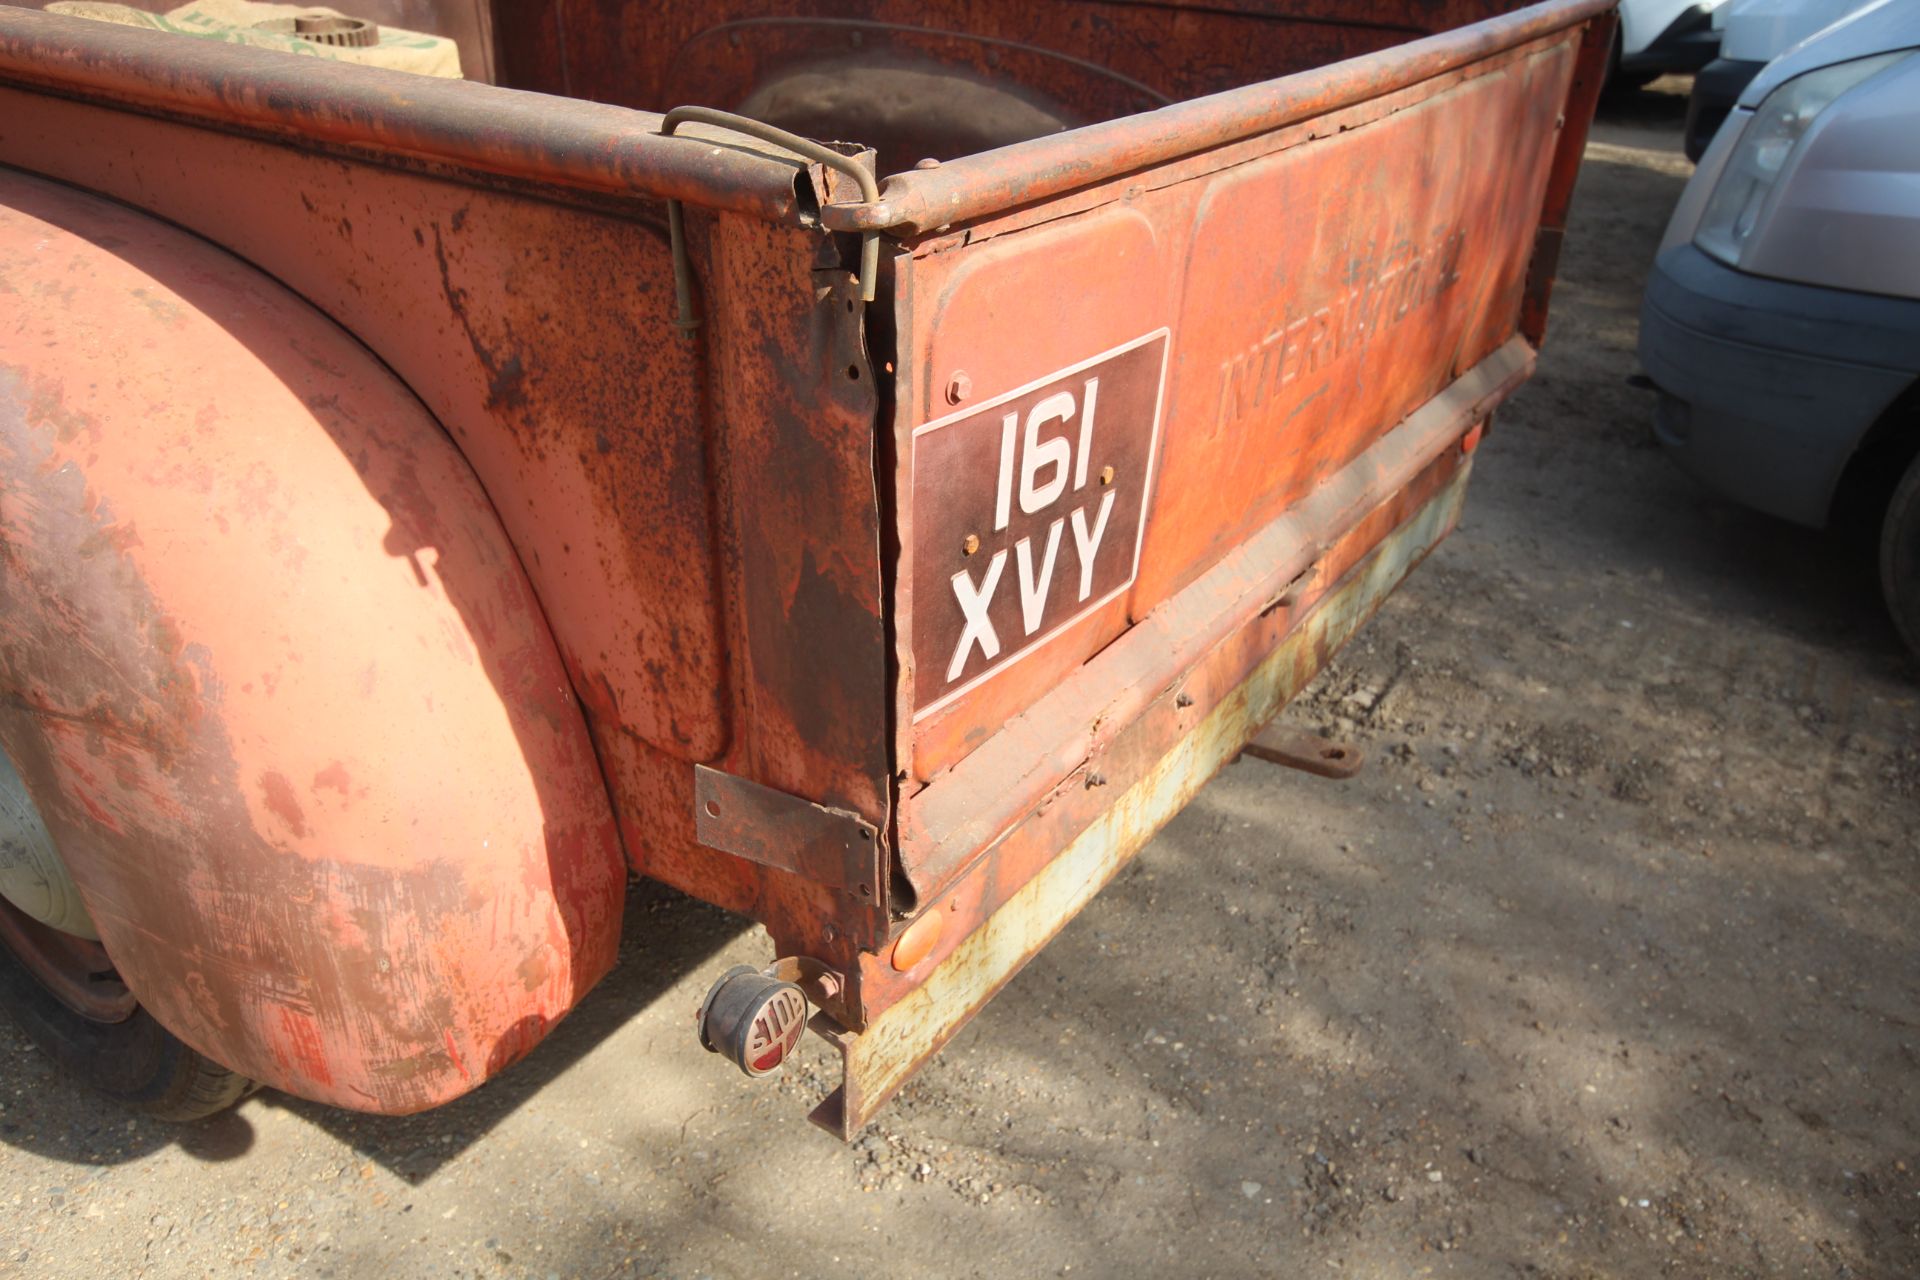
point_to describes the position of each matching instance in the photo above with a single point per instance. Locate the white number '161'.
(1055, 458)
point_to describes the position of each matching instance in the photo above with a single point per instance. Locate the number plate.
(1028, 512)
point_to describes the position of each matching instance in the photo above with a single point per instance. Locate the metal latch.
(676, 216)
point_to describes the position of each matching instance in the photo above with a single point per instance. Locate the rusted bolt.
(1106, 475)
(959, 387)
(926, 162)
(971, 545)
(828, 984)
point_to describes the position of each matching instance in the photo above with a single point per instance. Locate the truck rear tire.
(132, 1059)
(1900, 557)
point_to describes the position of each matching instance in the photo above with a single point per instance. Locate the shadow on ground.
(665, 936)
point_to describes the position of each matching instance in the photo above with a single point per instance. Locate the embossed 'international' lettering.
(1301, 345)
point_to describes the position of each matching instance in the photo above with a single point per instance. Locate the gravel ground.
(1603, 967)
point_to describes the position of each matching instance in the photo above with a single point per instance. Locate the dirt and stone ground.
(1605, 966)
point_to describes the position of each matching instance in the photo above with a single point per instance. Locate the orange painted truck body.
(425, 502)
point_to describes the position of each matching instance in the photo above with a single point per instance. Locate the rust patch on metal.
(278, 796)
(1312, 306)
(540, 336)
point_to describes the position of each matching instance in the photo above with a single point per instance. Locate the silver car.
(1782, 318)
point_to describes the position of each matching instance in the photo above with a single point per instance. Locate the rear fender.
(275, 677)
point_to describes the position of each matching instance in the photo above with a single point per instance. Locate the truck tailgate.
(1162, 440)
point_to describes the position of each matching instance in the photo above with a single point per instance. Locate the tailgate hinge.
(832, 847)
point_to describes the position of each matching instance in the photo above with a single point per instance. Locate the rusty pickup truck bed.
(873, 503)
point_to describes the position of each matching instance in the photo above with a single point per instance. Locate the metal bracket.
(773, 829)
(676, 216)
(826, 989)
(1307, 752)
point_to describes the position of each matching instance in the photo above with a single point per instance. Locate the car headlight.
(1765, 147)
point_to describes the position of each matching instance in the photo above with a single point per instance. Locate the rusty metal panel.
(1589, 78)
(1318, 284)
(795, 392)
(275, 678)
(479, 132)
(1344, 298)
(1333, 287)
(1082, 61)
(950, 825)
(539, 335)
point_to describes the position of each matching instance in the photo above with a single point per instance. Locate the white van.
(1752, 34)
(1658, 36)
